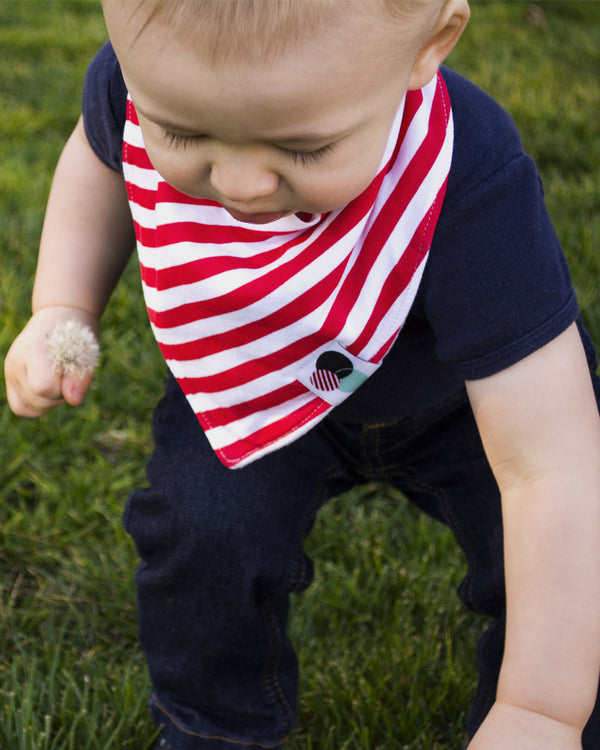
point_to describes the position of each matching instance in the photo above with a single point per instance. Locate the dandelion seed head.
(73, 348)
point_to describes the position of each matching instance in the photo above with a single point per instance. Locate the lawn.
(387, 652)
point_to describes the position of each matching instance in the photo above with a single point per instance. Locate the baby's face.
(305, 132)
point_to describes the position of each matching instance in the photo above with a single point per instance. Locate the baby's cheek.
(338, 190)
(180, 172)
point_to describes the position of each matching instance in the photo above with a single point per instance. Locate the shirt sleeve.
(496, 286)
(104, 106)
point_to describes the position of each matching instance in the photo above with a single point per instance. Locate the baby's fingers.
(75, 386)
(25, 404)
(41, 387)
(33, 387)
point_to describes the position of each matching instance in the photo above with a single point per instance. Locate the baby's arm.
(86, 241)
(541, 430)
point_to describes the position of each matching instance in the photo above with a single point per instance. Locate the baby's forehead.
(258, 30)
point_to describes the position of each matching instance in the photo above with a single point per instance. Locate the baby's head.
(275, 106)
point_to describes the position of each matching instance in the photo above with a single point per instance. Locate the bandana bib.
(268, 327)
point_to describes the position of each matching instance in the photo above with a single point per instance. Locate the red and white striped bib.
(268, 327)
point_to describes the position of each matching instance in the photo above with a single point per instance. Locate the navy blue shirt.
(496, 286)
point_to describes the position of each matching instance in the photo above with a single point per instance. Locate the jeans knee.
(164, 526)
(221, 546)
(147, 522)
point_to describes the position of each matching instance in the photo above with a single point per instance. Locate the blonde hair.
(253, 30)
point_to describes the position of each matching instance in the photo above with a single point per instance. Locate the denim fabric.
(221, 551)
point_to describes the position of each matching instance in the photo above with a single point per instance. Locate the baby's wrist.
(64, 312)
(512, 726)
(566, 705)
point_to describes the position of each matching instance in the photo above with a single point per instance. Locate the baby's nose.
(241, 178)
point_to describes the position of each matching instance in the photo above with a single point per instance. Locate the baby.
(350, 271)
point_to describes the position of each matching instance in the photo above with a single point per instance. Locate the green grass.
(387, 653)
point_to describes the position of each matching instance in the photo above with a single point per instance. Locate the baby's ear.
(450, 25)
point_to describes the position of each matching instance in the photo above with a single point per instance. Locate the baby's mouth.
(257, 218)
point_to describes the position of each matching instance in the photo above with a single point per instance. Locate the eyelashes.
(308, 157)
(176, 140)
(304, 158)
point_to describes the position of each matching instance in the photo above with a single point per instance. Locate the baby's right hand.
(34, 385)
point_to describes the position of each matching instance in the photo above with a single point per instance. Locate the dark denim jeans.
(221, 551)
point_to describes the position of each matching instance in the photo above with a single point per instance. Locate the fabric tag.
(332, 373)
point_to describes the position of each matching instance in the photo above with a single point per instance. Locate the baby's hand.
(513, 728)
(51, 361)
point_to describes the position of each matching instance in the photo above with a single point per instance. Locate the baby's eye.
(177, 140)
(306, 158)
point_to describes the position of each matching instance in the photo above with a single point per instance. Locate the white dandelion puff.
(73, 348)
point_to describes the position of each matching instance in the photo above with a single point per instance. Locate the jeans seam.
(271, 680)
(453, 525)
(321, 497)
(408, 473)
(216, 737)
(380, 460)
(366, 431)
